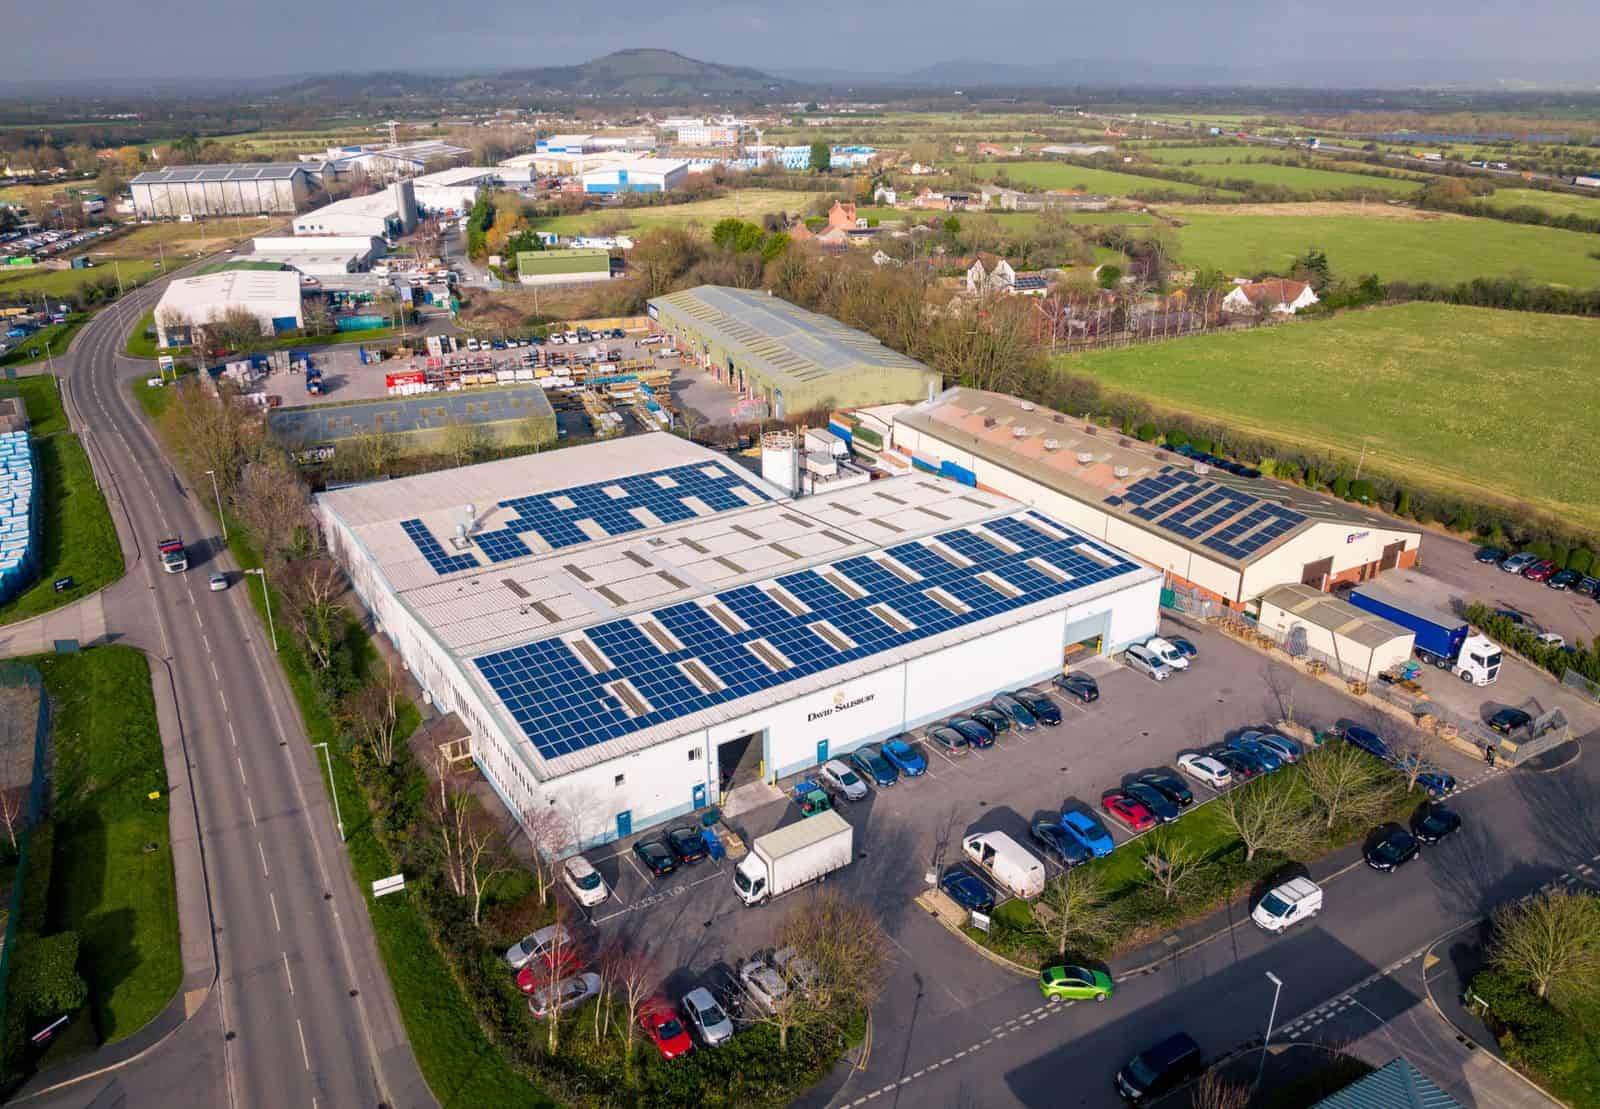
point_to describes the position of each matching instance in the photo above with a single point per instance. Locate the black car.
(1392, 848)
(1508, 614)
(1153, 799)
(1081, 686)
(1043, 708)
(1154, 1071)
(1564, 579)
(1019, 713)
(976, 733)
(1185, 647)
(1056, 840)
(993, 719)
(687, 843)
(1589, 587)
(1239, 764)
(1369, 741)
(1490, 556)
(1169, 786)
(1432, 823)
(656, 856)
(967, 891)
(1508, 720)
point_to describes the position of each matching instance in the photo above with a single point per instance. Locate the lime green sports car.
(1070, 983)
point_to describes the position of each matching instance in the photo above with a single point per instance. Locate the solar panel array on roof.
(254, 171)
(613, 507)
(849, 610)
(1227, 520)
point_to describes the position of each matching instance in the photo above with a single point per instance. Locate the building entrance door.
(739, 761)
(1391, 555)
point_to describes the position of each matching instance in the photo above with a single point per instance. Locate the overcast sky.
(163, 38)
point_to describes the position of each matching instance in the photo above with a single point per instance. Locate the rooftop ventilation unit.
(1085, 457)
(1060, 419)
(1027, 406)
(1119, 471)
(1019, 433)
(1051, 444)
(1201, 468)
(1124, 442)
(1090, 429)
(989, 421)
(1161, 456)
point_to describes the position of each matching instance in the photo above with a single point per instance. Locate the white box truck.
(1009, 863)
(794, 856)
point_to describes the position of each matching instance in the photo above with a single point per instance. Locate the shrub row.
(1525, 641)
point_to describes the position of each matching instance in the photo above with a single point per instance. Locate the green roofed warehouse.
(563, 267)
(795, 360)
(423, 424)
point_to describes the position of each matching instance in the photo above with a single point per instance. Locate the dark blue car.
(976, 733)
(1369, 741)
(1250, 744)
(1043, 708)
(966, 891)
(1016, 710)
(870, 764)
(1060, 843)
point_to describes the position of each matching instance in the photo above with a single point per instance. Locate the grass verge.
(52, 340)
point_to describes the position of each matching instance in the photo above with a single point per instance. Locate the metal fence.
(24, 728)
(1574, 680)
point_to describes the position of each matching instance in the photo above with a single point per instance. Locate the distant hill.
(627, 73)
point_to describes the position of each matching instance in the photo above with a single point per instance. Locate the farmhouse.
(629, 629)
(1228, 538)
(1277, 295)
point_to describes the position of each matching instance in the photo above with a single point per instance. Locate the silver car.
(839, 779)
(1145, 662)
(519, 954)
(1519, 562)
(764, 985)
(565, 994)
(1286, 749)
(707, 1016)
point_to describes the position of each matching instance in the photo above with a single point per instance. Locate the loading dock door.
(739, 761)
(1085, 637)
(1315, 574)
(1391, 555)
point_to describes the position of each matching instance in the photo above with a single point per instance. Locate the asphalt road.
(301, 1013)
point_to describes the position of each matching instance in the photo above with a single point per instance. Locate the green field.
(1061, 175)
(1306, 180)
(746, 204)
(1200, 155)
(1445, 249)
(21, 282)
(1562, 204)
(1459, 396)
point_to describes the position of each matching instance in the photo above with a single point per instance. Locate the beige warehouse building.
(1229, 538)
(1354, 642)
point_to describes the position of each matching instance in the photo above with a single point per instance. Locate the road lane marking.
(265, 872)
(304, 1054)
(224, 699)
(233, 734)
(252, 806)
(273, 901)
(240, 761)
(287, 974)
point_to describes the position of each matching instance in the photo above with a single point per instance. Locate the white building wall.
(1355, 656)
(1351, 545)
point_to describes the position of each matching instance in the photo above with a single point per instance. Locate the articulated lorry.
(794, 856)
(1421, 606)
(174, 559)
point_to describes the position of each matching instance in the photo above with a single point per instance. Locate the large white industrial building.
(635, 175)
(224, 190)
(318, 255)
(271, 296)
(390, 212)
(1228, 537)
(628, 628)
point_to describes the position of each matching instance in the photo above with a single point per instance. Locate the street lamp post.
(266, 595)
(333, 787)
(1277, 988)
(221, 519)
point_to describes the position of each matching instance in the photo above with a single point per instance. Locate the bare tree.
(1072, 909)
(1171, 863)
(312, 588)
(1213, 1091)
(557, 955)
(171, 322)
(635, 975)
(845, 949)
(465, 442)
(1344, 783)
(1414, 752)
(1263, 813)
(271, 501)
(470, 846)
(548, 835)
(1552, 940)
(372, 714)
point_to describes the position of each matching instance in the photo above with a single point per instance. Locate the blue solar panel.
(607, 504)
(562, 707)
(1197, 510)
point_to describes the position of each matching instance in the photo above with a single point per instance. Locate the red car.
(662, 1024)
(541, 972)
(1542, 570)
(1128, 811)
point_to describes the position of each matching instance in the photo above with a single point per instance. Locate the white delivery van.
(1295, 900)
(1009, 863)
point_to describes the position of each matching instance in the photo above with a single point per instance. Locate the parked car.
(1065, 982)
(1167, 653)
(1043, 708)
(687, 843)
(566, 994)
(906, 758)
(1564, 579)
(1081, 686)
(1161, 807)
(1435, 782)
(656, 856)
(842, 781)
(1019, 713)
(763, 984)
(1542, 570)
(948, 740)
(1185, 647)
(871, 764)
(1551, 639)
(1392, 848)
(1285, 748)
(538, 943)
(1508, 720)
(1489, 556)
(1057, 841)
(1432, 823)
(1169, 786)
(1240, 765)
(1089, 832)
(1128, 811)
(1146, 663)
(710, 1022)
(1249, 743)
(976, 733)
(997, 722)
(1298, 899)
(664, 1028)
(583, 881)
(1518, 563)
(1369, 741)
(1509, 614)
(1158, 1069)
(967, 890)
(550, 967)
(1206, 769)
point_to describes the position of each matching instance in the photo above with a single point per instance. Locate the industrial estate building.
(563, 267)
(423, 424)
(272, 296)
(635, 175)
(385, 214)
(631, 627)
(1228, 537)
(1354, 642)
(226, 190)
(797, 361)
(320, 256)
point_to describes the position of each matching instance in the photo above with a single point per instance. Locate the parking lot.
(696, 928)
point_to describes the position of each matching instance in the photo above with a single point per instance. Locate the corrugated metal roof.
(1396, 1085)
(255, 171)
(781, 339)
(311, 426)
(1326, 611)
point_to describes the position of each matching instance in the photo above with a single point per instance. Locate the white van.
(1005, 860)
(1295, 900)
